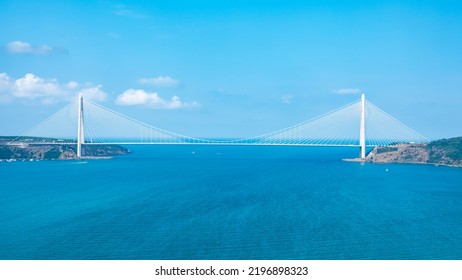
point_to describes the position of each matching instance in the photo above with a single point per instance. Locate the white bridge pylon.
(358, 124)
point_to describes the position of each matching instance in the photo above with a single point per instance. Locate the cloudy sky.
(232, 68)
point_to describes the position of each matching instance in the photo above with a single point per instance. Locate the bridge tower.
(362, 129)
(80, 127)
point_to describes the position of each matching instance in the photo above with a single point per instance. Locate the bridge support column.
(362, 129)
(80, 127)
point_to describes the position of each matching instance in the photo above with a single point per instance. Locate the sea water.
(229, 202)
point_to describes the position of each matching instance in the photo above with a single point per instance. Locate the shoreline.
(360, 160)
(444, 152)
(64, 159)
(35, 152)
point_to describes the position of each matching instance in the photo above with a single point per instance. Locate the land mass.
(63, 151)
(439, 152)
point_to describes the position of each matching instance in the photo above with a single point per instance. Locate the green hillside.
(452, 149)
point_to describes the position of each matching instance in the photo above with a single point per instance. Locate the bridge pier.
(80, 127)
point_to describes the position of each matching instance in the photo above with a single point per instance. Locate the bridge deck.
(208, 144)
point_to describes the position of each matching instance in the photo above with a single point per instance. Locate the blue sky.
(232, 68)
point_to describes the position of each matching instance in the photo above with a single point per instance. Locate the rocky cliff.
(57, 151)
(444, 152)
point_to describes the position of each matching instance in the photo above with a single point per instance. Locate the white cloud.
(46, 91)
(19, 47)
(347, 91)
(32, 86)
(152, 99)
(135, 97)
(50, 91)
(72, 85)
(4, 82)
(161, 81)
(94, 93)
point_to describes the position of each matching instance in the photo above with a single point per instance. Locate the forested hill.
(56, 151)
(444, 152)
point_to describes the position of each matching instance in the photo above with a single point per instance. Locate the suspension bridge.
(358, 124)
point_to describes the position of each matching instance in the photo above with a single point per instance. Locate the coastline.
(33, 152)
(444, 152)
(65, 159)
(360, 160)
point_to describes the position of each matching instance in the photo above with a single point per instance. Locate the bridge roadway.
(194, 143)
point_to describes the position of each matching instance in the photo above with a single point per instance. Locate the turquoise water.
(215, 202)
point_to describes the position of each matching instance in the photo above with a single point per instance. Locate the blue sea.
(229, 202)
